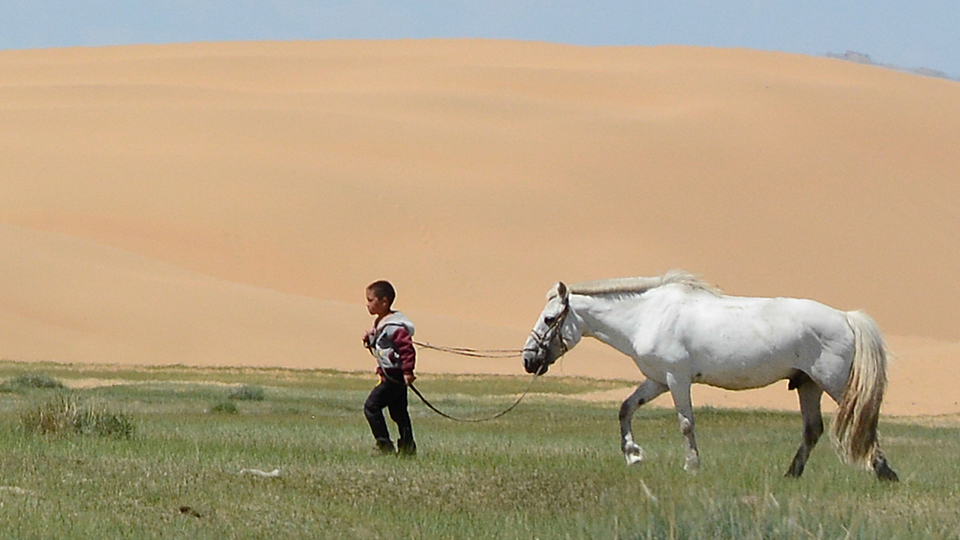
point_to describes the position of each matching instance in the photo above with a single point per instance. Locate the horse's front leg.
(644, 393)
(680, 390)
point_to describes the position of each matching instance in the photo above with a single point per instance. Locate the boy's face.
(377, 306)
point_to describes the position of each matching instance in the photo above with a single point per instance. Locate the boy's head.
(380, 297)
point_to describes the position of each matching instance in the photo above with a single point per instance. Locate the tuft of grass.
(248, 392)
(65, 414)
(224, 407)
(30, 381)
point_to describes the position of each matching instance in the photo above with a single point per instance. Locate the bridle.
(542, 341)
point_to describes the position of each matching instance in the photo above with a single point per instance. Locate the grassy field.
(550, 469)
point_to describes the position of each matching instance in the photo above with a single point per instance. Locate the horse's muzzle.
(535, 362)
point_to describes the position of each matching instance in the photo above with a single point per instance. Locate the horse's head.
(557, 330)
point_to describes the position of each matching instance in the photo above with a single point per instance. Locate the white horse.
(680, 331)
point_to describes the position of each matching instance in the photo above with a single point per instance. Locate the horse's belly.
(738, 373)
(741, 373)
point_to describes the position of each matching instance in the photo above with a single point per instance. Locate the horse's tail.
(854, 430)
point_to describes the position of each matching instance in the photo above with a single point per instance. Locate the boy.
(391, 342)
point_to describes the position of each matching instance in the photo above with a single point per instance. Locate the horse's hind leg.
(810, 394)
(680, 390)
(644, 393)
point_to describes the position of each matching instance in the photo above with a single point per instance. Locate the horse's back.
(744, 342)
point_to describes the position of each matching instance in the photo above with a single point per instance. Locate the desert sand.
(227, 203)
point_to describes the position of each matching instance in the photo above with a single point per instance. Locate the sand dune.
(226, 203)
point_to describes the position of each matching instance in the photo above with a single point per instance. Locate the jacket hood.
(396, 319)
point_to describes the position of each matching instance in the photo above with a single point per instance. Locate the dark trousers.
(392, 396)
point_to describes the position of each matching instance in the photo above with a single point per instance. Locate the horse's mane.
(638, 285)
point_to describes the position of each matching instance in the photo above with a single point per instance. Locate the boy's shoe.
(407, 449)
(385, 449)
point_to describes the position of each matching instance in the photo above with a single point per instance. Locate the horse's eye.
(549, 320)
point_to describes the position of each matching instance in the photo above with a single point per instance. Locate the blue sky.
(922, 33)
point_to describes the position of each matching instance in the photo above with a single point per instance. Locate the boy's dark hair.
(383, 289)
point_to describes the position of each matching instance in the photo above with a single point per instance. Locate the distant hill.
(861, 58)
(226, 204)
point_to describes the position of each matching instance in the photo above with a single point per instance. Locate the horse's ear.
(562, 291)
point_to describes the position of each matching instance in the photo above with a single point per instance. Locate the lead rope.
(475, 353)
(485, 419)
(487, 353)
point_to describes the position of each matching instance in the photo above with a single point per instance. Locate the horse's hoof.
(692, 465)
(887, 474)
(633, 454)
(882, 468)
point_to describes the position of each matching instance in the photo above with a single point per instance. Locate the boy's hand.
(367, 342)
(409, 378)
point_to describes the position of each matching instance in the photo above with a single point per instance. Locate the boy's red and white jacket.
(392, 345)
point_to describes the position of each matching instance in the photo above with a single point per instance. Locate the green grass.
(248, 392)
(68, 414)
(29, 381)
(224, 407)
(549, 469)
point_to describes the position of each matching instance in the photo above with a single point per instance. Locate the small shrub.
(65, 414)
(30, 380)
(224, 407)
(248, 392)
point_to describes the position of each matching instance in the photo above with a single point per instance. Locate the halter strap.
(542, 340)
